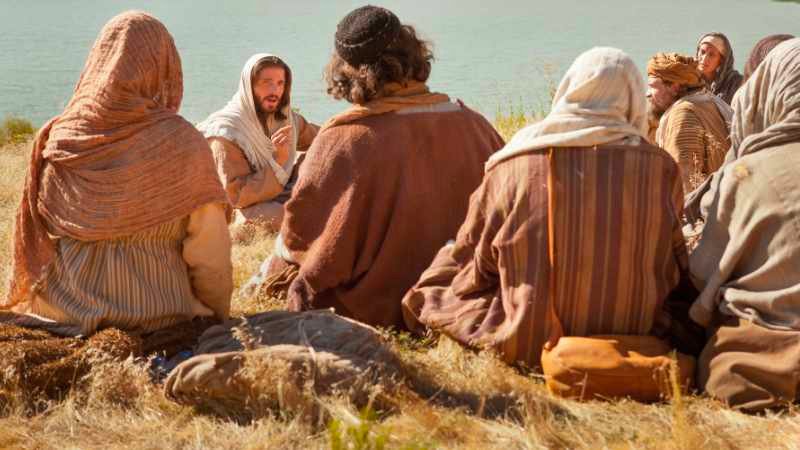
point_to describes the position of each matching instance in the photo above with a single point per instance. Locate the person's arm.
(207, 253)
(684, 141)
(723, 242)
(306, 132)
(243, 186)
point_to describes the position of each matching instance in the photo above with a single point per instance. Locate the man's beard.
(654, 113)
(263, 111)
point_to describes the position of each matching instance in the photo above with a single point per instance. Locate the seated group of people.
(408, 210)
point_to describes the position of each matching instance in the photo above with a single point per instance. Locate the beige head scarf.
(727, 79)
(600, 100)
(119, 159)
(238, 122)
(716, 41)
(767, 107)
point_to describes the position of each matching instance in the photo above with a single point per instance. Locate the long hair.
(274, 61)
(407, 58)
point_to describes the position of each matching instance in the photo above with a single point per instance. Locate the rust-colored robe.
(619, 251)
(375, 199)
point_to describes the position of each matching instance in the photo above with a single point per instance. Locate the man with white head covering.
(613, 201)
(747, 257)
(256, 138)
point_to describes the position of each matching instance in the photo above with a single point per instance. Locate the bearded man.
(386, 183)
(256, 140)
(693, 124)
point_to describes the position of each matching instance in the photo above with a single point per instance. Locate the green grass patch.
(15, 130)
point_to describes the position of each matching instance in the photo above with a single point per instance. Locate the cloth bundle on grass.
(277, 358)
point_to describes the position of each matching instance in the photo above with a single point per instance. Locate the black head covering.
(363, 35)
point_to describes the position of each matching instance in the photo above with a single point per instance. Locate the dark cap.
(363, 35)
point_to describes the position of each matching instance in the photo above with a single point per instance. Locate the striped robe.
(149, 280)
(695, 134)
(619, 251)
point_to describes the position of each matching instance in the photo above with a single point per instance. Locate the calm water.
(491, 54)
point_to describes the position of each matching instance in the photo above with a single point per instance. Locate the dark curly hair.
(407, 58)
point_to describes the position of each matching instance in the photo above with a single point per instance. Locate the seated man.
(613, 206)
(386, 183)
(256, 138)
(122, 220)
(747, 258)
(693, 124)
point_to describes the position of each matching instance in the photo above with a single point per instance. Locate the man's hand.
(281, 140)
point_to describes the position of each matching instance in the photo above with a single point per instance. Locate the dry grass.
(455, 399)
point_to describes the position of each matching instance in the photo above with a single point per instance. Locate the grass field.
(118, 407)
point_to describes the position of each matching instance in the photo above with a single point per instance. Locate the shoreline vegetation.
(116, 405)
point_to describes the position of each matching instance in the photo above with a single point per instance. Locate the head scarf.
(119, 159)
(727, 79)
(238, 122)
(761, 50)
(675, 68)
(767, 112)
(600, 100)
(766, 115)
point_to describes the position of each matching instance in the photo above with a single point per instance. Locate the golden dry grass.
(477, 401)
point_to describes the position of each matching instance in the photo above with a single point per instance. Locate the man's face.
(268, 86)
(661, 95)
(708, 60)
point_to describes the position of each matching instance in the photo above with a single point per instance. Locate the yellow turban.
(675, 68)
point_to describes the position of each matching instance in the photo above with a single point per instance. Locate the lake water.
(491, 54)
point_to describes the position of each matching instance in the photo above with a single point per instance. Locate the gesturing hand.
(281, 140)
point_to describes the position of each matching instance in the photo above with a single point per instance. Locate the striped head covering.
(675, 68)
(600, 100)
(119, 159)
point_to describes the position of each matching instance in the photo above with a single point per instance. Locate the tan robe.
(375, 199)
(254, 193)
(619, 251)
(695, 134)
(143, 282)
(746, 267)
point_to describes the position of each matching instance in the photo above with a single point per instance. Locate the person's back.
(612, 277)
(406, 177)
(385, 183)
(615, 203)
(128, 226)
(140, 281)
